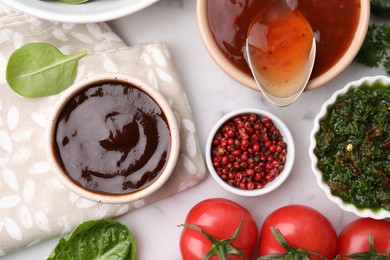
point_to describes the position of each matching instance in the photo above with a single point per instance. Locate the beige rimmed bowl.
(152, 187)
(248, 81)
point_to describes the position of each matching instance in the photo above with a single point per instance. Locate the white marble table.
(211, 94)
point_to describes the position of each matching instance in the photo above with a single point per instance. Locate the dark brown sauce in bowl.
(112, 138)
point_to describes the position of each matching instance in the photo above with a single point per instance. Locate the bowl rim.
(222, 61)
(349, 207)
(269, 186)
(82, 13)
(114, 198)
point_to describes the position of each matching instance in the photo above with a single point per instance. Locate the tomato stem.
(222, 248)
(292, 252)
(372, 254)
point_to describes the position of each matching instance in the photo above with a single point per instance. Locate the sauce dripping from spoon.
(281, 52)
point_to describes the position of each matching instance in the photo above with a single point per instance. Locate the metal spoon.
(281, 52)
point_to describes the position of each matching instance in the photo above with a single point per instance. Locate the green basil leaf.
(96, 239)
(39, 69)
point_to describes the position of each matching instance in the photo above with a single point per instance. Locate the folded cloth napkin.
(34, 205)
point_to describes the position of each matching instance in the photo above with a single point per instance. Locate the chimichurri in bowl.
(350, 147)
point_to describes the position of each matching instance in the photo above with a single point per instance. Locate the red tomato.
(302, 227)
(220, 219)
(354, 237)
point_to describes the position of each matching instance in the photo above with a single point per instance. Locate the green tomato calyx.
(221, 248)
(372, 254)
(292, 253)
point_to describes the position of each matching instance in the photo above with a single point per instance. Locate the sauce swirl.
(112, 138)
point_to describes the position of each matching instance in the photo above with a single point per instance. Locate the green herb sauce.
(353, 146)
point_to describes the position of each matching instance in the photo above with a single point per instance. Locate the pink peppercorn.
(248, 151)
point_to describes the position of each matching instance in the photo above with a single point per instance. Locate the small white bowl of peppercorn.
(250, 152)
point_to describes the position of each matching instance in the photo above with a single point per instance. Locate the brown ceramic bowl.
(237, 74)
(104, 133)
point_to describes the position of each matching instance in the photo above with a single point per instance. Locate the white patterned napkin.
(34, 205)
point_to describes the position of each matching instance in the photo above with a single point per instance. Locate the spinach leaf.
(39, 69)
(96, 239)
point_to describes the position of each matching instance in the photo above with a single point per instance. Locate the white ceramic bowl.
(219, 57)
(377, 214)
(115, 198)
(270, 186)
(90, 12)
